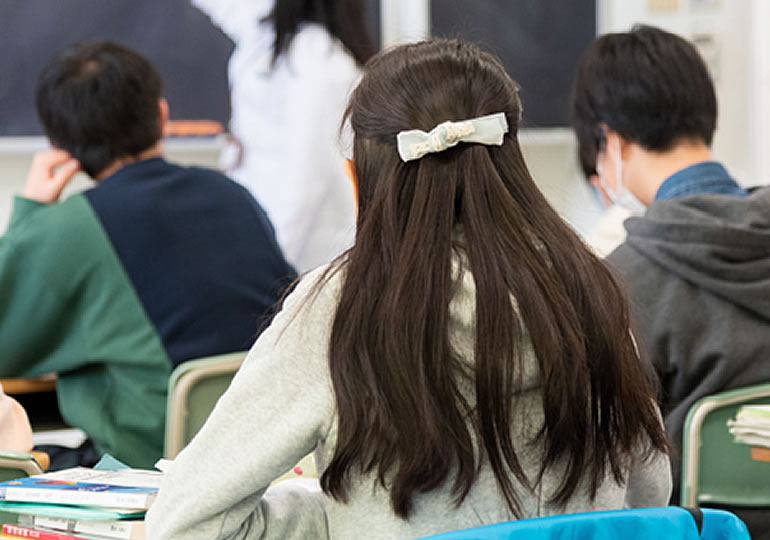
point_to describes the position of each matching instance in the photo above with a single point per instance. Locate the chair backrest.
(716, 469)
(15, 465)
(193, 389)
(668, 522)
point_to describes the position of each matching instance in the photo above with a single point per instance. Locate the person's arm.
(236, 18)
(649, 480)
(278, 408)
(15, 431)
(315, 103)
(34, 316)
(48, 175)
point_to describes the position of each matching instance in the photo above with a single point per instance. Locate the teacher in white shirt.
(293, 67)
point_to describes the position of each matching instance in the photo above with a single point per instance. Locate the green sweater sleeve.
(32, 311)
(68, 306)
(285, 382)
(23, 207)
(60, 287)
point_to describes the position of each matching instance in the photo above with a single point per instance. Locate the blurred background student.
(294, 65)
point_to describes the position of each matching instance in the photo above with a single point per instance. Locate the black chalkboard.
(539, 41)
(374, 21)
(190, 53)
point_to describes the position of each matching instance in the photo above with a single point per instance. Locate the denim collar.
(704, 177)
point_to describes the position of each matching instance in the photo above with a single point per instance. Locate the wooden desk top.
(46, 383)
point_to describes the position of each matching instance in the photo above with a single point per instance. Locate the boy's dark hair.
(99, 101)
(650, 86)
(343, 19)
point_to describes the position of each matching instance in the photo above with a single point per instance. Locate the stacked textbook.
(79, 503)
(752, 425)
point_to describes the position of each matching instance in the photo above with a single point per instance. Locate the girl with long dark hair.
(468, 361)
(294, 65)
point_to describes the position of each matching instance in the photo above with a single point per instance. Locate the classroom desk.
(45, 383)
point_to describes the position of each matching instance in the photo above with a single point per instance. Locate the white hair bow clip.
(414, 144)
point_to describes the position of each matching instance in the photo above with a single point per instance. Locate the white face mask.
(622, 196)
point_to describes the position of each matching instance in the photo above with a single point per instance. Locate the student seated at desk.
(468, 361)
(696, 259)
(156, 265)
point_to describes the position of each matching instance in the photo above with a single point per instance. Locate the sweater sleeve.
(313, 119)
(15, 431)
(649, 480)
(23, 207)
(36, 317)
(278, 408)
(236, 18)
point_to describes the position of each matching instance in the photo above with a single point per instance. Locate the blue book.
(128, 488)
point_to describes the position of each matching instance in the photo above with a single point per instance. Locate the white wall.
(759, 91)
(551, 156)
(404, 21)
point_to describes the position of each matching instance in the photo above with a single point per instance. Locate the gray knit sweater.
(281, 407)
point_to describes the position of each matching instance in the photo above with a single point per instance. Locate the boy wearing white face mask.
(697, 253)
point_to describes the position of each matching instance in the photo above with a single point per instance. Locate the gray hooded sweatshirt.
(698, 275)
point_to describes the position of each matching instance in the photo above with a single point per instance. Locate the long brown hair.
(401, 413)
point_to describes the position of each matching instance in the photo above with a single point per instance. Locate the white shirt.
(287, 119)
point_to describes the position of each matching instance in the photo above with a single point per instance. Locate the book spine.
(85, 498)
(125, 530)
(121, 529)
(43, 522)
(24, 532)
